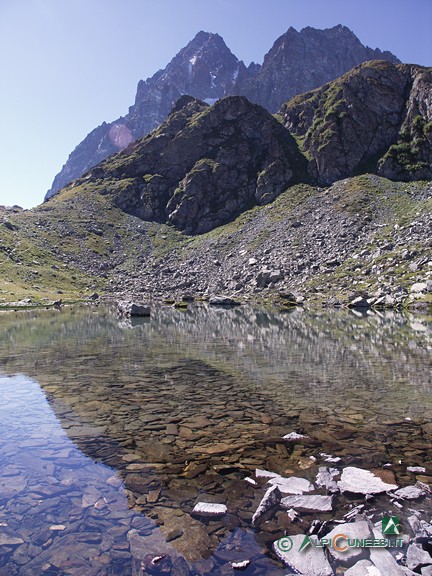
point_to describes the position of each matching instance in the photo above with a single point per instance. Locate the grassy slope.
(79, 242)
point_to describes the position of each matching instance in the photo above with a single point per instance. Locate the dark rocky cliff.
(204, 165)
(207, 70)
(376, 118)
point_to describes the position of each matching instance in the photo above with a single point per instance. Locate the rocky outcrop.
(207, 164)
(207, 70)
(203, 166)
(376, 118)
(300, 61)
(411, 157)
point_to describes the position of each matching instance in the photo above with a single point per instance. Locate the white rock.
(352, 530)
(292, 514)
(416, 469)
(417, 557)
(325, 478)
(329, 458)
(251, 481)
(57, 527)
(270, 498)
(314, 503)
(419, 287)
(426, 571)
(361, 481)
(209, 509)
(353, 512)
(363, 568)
(385, 562)
(412, 492)
(294, 436)
(292, 485)
(311, 561)
(265, 474)
(240, 565)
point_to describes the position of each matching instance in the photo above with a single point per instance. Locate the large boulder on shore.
(128, 308)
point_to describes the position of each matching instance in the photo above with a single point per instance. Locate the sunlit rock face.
(301, 61)
(207, 70)
(376, 118)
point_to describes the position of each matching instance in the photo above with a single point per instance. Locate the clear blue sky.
(68, 65)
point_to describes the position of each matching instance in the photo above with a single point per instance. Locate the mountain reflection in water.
(118, 429)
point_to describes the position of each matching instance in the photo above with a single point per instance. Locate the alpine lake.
(111, 431)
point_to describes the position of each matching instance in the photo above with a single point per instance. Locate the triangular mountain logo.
(306, 542)
(390, 525)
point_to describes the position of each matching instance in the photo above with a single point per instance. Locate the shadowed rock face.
(376, 118)
(204, 166)
(207, 70)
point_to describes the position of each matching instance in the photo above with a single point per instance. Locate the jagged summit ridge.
(301, 61)
(206, 69)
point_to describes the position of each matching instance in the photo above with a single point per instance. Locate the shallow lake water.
(111, 431)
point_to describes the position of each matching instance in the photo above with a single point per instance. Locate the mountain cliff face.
(301, 61)
(376, 118)
(203, 166)
(207, 70)
(207, 164)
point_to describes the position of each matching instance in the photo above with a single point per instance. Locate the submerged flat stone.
(209, 509)
(308, 503)
(311, 561)
(359, 481)
(10, 539)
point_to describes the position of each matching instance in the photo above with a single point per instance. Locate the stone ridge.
(376, 118)
(207, 70)
(203, 166)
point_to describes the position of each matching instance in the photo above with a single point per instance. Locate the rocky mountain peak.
(299, 61)
(206, 69)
